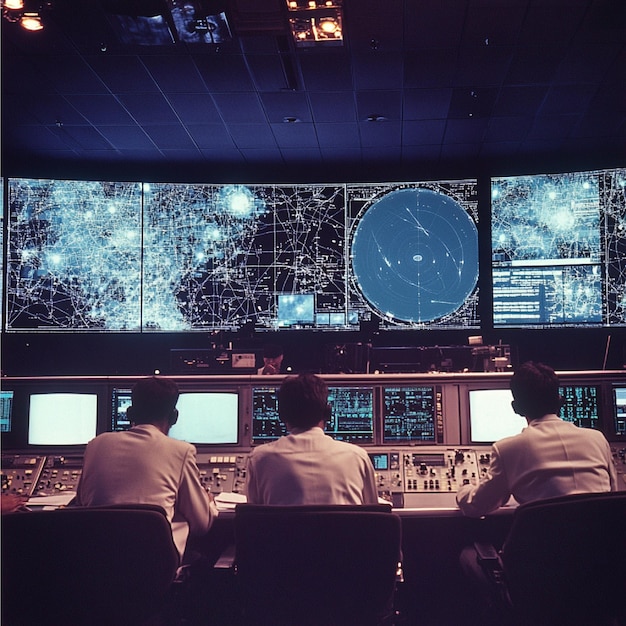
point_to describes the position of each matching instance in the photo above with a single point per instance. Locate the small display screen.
(408, 414)
(380, 460)
(266, 424)
(491, 415)
(207, 418)
(6, 410)
(62, 418)
(580, 405)
(619, 410)
(121, 400)
(352, 417)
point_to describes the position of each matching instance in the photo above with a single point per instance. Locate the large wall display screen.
(177, 257)
(559, 249)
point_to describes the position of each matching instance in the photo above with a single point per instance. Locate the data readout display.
(266, 424)
(6, 407)
(580, 405)
(120, 401)
(619, 410)
(352, 417)
(408, 414)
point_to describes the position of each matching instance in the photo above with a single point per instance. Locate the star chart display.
(176, 257)
(559, 249)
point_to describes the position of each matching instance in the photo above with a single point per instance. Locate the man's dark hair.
(535, 389)
(153, 399)
(303, 401)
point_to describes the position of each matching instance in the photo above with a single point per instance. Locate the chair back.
(317, 565)
(565, 559)
(86, 566)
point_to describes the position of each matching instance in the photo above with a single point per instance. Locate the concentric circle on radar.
(415, 255)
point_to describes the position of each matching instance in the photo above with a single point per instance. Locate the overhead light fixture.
(26, 13)
(316, 22)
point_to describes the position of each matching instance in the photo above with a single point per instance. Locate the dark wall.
(129, 354)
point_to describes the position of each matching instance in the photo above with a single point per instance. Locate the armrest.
(226, 560)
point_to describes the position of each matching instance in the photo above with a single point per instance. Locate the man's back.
(310, 468)
(547, 459)
(552, 457)
(145, 466)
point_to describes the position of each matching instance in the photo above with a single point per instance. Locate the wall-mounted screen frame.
(618, 399)
(221, 257)
(557, 245)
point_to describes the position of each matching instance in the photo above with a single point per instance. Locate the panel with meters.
(20, 473)
(60, 474)
(429, 469)
(222, 472)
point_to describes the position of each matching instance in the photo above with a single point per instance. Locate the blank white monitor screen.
(207, 418)
(62, 419)
(491, 415)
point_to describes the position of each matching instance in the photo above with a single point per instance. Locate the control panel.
(59, 474)
(618, 450)
(222, 472)
(20, 473)
(425, 470)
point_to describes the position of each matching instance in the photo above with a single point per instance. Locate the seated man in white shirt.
(143, 465)
(307, 466)
(549, 458)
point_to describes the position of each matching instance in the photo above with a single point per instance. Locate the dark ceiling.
(419, 88)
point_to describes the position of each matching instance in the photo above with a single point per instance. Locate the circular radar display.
(415, 255)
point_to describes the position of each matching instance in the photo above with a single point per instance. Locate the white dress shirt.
(309, 467)
(549, 458)
(144, 466)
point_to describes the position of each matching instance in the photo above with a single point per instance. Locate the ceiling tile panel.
(224, 73)
(386, 104)
(175, 74)
(286, 104)
(422, 104)
(149, 108)
(240, 108)
(122, 73)
(333, 107)
(210, 136)
(194, 108)
(100, 110)
(295, 135)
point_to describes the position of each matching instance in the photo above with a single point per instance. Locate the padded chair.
(316, 565)
(86, 566)
(564, 561)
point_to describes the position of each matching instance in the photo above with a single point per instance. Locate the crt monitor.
(62, 419)
(491, 416)
(352, 417)
(120, 401)
(352, 414)
(580, 405)
(6, 410)
(266, 424)
(408, 414)
(619, 410)
(207, 418)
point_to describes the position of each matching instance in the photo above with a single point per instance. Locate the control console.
(20, 473)
(59, 474)
(222, 472)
